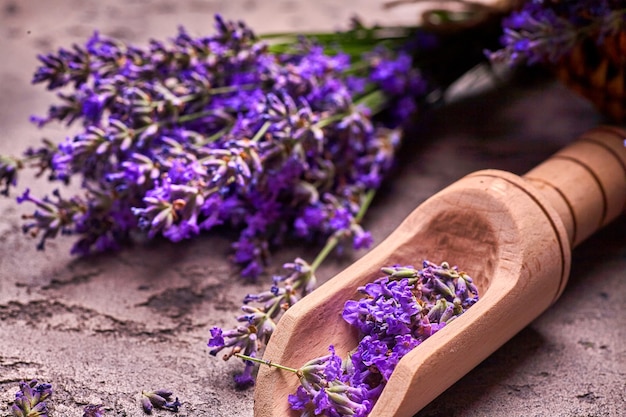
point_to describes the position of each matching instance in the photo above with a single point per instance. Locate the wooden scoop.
(512, 234)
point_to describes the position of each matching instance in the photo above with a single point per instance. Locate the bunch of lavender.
(30, 400)
(543, 31)
(274, 138)
(397, 313)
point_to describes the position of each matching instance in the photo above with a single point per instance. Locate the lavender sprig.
(543, 31)
(258, 322)
(30, 400)
(161, 399)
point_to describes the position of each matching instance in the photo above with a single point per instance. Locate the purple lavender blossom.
(30, 400)
(180, 136)
(93, 411)
(258, 322)
(161, 399)
(242, 339)
(52, 217)
(544, 31)
(323, 387)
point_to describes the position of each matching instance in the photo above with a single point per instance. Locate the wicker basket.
(597, 71)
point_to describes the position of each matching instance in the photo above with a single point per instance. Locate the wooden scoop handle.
(586, 181)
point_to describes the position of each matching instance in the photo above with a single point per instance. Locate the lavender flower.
(545, 30)
(93, 411)
(273, 139)
(257, 323)
(161, 399)
(322, 385)
(8, 172)
(52, 216)
(389, 308)
(30, 400)
(242, 339)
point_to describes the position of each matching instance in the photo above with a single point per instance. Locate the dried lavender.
(397, 313)
(400, 311)
(160, 399)
(273, 139)
(545, 30)
(93, 411)
(30, 400)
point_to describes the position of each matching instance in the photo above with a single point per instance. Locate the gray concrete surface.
(101, 329)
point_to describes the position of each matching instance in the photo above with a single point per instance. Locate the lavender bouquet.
(277, 137)
(274, 139)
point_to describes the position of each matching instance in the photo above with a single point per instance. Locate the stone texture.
(102, 328)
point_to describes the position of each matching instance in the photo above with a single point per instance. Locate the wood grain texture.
(584, 181)
(512, 234)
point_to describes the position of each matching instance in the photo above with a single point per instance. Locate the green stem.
(361, 36)
(266, 362)
(367, 201)
(259, 134)
(325, 122)
(333, 241)
(215, 136)
(331, 244)
(195, 116)
(375, 101)
(271, 311)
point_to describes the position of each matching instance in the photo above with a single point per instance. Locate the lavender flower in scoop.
(397, 313)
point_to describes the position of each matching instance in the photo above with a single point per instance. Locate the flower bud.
(146, 405)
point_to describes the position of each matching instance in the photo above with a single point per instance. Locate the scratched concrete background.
(101, 329)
